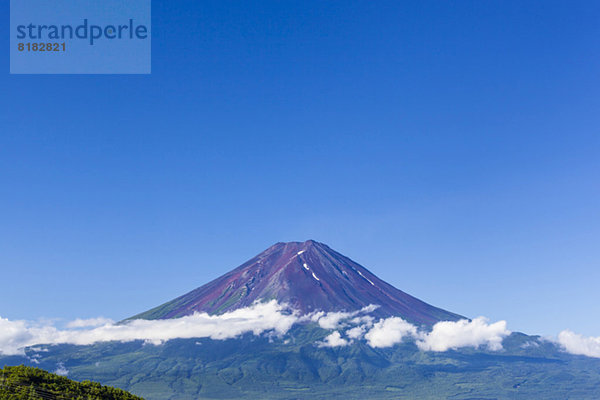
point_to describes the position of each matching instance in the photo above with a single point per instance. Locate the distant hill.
(294, 367)
(309, 276)
(30, 383)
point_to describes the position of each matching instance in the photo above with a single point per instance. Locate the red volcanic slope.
(309, 276)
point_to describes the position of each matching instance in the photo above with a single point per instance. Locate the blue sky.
(452, 149)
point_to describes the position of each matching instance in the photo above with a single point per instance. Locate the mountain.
(299, 364)
(260, 367)
(309, 276)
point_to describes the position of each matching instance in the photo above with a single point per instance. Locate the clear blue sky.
(453, 148)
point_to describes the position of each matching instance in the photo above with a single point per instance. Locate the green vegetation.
(28, 383)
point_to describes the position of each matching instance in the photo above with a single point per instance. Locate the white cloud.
(575, 343)
(39, 349)
(464, 333)
(444, 335)
(387, 332)
(276, 319)
(273, 318)
(530, 344)
(14, 335)
(89, 323)
(357, 332)
(332, 320)
(61, 370)
(334, 340)
(259, 318)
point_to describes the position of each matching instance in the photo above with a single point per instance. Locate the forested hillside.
(27, 383)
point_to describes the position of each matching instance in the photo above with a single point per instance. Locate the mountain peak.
(298, 245)
(309, 276)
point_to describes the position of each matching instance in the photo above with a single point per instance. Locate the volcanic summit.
(309, 276)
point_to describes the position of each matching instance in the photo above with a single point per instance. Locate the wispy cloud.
(575, 343)
(259, 318)
(345, 328)
(61, 370)
(333, 320)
